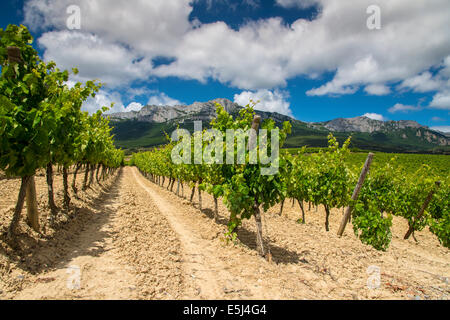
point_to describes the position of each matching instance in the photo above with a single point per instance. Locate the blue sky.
(313, 59)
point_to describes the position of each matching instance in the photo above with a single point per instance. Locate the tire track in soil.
(205, 274)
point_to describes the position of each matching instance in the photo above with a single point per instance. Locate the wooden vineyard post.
(422, 210)
(216, 210)
(252, 144)
(32, 210)
(192, 193)
(199, 196)
(66, 188)
(252, 138)
(281, 207)
(259, 237)
(355, 194)
(182, 189)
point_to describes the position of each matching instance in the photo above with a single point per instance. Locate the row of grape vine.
(42, 125)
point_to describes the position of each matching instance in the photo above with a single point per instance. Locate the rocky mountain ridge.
(205, 111)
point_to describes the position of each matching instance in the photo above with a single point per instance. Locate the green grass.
(440, 164)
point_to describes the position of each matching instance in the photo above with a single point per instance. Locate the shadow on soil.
(43, 254)
(248, 238)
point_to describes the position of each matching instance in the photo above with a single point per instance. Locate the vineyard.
(42, 125)
(180, 223)
(325, 179)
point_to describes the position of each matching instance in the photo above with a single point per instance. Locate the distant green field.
(440, 164)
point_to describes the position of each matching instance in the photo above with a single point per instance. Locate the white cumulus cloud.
(161, 99)
(441, 100)
(441, 128)
(94, 57)
(117, 42)
(374, 116)
(104, 99)
(153, 26)
(297, 3)
(423, 82)
(377, 89)
(273, 101)
(398, 107)
(133, 106)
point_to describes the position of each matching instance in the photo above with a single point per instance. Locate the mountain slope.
(145, 128)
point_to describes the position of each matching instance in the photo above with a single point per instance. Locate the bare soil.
(132, 239)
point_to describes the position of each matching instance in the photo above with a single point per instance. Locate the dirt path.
(214, 268)
(205, 273)
(202, 270)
